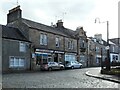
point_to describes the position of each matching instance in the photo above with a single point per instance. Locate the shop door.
(56, 58)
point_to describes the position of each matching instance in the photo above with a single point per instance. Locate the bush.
(113, 71)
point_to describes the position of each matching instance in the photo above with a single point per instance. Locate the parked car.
(73, 64)
(51, 66)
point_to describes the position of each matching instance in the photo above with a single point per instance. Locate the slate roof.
(115, 40)
(12, 33)
(61, 31)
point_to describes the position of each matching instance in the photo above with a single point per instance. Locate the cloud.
(78, 13)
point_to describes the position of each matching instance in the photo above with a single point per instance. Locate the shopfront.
(70, 57)
(59, 56)
(44, 56)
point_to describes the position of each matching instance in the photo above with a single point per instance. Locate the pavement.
(96, 74)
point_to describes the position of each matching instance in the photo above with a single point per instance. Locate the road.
(75, 78)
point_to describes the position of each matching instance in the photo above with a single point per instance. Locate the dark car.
(51, 66)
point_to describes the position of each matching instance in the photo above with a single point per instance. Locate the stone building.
(48, 43)
(82, 46)
(15, 50)
(115, 49)
(43, 43)
(96, 50)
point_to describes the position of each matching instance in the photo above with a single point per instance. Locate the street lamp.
(108, 56)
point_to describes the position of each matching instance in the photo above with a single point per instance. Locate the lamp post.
(108, 56)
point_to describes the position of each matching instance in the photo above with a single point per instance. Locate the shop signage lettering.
(59, 52)
(42, 50)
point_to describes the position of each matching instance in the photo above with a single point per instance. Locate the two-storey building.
(15, 50)
(48, 43)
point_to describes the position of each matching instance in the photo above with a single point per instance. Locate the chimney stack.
(14, 14)
(60, 23)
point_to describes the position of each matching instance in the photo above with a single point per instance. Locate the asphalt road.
(75, 78)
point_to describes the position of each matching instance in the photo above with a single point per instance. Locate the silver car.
(52, 66)
(73, 64)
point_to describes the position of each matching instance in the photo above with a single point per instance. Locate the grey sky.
(73, 12)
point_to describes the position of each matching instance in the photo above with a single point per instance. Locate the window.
(43, 39)
(57, 42)
(70, 45)
(22, 47)
(97, 49)
(16, 62)
(11, 62)
(113, 49)
(70, 57)
(82, 44)
(21, 62)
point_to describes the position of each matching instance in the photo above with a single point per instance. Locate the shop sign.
(59, 52)
(43, 50)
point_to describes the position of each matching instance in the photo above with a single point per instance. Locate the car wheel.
(80, 66)
(61, 68)
(72, 67)
(50, 69)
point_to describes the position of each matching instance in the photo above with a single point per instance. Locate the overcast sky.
(74, 13)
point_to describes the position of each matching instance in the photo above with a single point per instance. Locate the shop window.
(70, 58)
(22, 47)
(49, 59)
(45, 59)
(42, 58)
(43, 39)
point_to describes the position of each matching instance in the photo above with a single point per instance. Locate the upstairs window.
(22, 47)
(97, 49)
(70, 45)
(43, 39)
(57, 42)
(82, 44)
